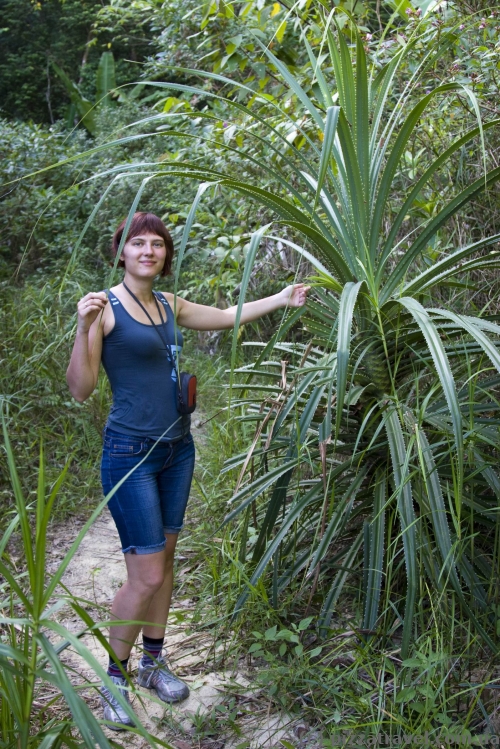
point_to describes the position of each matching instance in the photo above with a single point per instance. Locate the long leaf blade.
(330, 129)
(440, 359)
(346, 310)
(406, 512)
(376, 557)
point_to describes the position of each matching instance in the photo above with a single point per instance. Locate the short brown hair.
(145, 223)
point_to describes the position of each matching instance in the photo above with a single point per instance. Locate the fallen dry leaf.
(182, 744)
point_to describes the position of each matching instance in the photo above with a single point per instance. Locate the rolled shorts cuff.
(145, 549)
(172, 529)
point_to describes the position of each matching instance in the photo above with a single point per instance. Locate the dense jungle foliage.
(351, 468)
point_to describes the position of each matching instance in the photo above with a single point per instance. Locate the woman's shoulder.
(171, 298)
(115, 290)
(108, 318)
(167, 295)
(173, 301)
(176, 303)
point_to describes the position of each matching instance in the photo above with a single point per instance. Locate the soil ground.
(225, 710)
(95, 573)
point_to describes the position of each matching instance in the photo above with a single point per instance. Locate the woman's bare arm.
(83, 369)
(202, 317)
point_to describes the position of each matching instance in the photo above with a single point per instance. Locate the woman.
(133, 332)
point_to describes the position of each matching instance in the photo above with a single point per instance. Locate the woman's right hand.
(89, 307)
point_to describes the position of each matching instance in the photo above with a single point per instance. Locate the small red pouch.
(186, 393)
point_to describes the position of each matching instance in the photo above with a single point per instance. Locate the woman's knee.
(146, 573)
(150, 583)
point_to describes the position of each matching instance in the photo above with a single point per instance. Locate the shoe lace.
(110, 696)
(160, 670)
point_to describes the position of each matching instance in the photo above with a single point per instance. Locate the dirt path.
(224, 710)
(95, 574)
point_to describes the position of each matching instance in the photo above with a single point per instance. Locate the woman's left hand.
(295, 295)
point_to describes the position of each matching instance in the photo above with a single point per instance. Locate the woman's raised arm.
(201, 317)
(83, 369)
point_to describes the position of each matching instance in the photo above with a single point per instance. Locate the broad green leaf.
(106, 80)
(84, 107)
(280, 32)
(233, 43)
(400, 7)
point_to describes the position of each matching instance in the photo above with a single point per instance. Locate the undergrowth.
(346, 685)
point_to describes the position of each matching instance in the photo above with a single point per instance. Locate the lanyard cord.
(155, 326)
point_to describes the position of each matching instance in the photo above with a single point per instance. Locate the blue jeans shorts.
(152, 500)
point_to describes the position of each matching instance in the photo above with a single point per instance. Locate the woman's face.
(144, 255)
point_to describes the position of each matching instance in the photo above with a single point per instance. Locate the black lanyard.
(155, 326)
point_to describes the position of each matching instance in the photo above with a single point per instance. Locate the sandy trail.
(95, 573)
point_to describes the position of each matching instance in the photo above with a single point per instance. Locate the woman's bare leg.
(159, 606)
(146, 577)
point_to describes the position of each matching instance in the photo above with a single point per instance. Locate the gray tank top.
(142, 378)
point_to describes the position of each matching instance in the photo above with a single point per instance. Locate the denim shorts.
(152, 500)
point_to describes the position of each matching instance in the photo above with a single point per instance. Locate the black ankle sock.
(113, 669)
(152, 648)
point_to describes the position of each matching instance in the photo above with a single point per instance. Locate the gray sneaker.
(157, 676)
(113, 711)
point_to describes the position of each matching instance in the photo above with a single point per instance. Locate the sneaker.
(157, 676)
(113, 711)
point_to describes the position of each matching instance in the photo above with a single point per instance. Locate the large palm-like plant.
(376, 452)
(383, 441)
